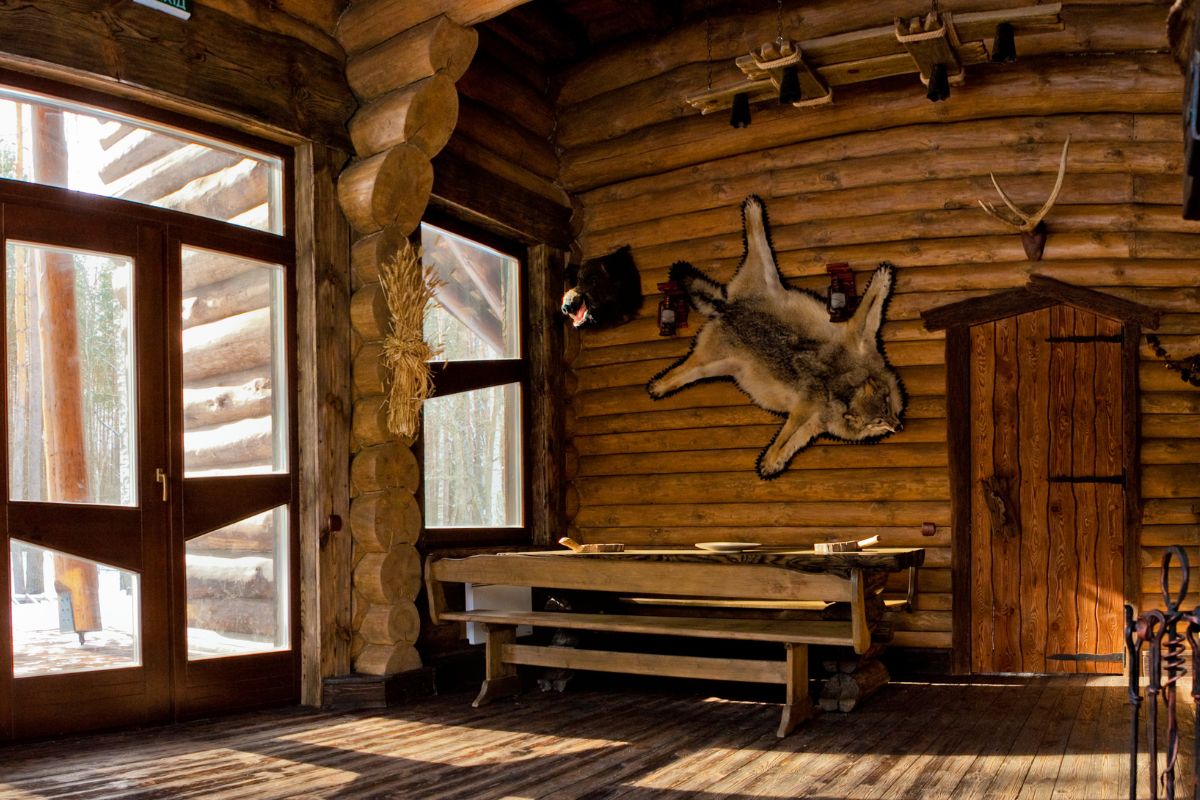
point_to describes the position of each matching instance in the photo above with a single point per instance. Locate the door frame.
(279, 682)
(956, 319)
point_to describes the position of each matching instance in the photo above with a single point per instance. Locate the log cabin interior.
(269, 520)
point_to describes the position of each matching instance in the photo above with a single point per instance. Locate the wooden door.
(85, 640)
(1048, 493)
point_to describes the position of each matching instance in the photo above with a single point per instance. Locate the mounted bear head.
(607, 291)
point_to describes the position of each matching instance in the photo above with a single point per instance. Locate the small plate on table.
(727, 547)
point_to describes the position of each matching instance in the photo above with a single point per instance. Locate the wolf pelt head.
(607, 291)
(780, 348)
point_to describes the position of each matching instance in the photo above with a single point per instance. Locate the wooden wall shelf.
(905, 47)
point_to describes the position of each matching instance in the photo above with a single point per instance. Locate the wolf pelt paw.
(884, 275)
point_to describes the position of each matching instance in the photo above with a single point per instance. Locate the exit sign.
(176, 8)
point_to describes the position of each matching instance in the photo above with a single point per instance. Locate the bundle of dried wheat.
(408, 288)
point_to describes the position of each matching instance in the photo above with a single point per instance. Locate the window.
(473, 432)
(114, 155)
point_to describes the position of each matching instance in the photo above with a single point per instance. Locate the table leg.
(797, 706)
(500, 678)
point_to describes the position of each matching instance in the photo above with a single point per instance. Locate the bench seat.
(748, 630)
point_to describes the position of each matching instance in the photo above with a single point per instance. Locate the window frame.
(454, 377)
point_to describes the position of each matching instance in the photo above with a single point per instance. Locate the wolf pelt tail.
(704, 294)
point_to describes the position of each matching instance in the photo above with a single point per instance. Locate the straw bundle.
(408, 289)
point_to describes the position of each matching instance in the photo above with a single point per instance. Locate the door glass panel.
(473, 458)
(70, 614)
(234, 422)
(70, 376)
(237, 588)
(477, 312)
(113, 155)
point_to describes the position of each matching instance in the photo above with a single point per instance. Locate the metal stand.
(1161, 631)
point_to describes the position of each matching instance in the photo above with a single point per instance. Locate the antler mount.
(1031, 226)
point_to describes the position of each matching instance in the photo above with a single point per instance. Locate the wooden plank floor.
(1053, 737)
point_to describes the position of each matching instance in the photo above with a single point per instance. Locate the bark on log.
(493, 84)
(437, 46)
(254, 535)
(246, 292)
(1137, 83)
(205, 267)
(389, 188)
(422, 114)
(369, 252)
(234, 343)
(479, 155)
(655, 98)
(226, 195)
(224, 404)
(369, 312)
(822, 167)
(253, 616)
(385, 466)
(171, 173)
(366, 23)
(378, 659)
(244, 442)
(311, 23)
(750, 515)
(391, 577)
(844, 485)
(843, 692)
(136, 149)
(380, 520)
(852, 664)
(398, 623)
(241, 577)
(496, 132)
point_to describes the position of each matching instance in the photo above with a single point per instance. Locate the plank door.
(1048, 493)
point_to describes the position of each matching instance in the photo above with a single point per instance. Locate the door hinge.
(1108, 658)
(1117, 479)
(1117, 338)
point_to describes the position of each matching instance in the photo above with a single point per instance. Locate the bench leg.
(499, 678)
(797, 706)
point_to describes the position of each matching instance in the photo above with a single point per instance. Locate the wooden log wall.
(423, 91)
(882, 174)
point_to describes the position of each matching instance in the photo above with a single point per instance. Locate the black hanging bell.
(789, 86)
(939, 83)
(1004, 46)
(740, 116)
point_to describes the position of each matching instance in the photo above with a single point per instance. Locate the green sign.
(176, 8)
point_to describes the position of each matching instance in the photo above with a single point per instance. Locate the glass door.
(86, 637)
(231, 374)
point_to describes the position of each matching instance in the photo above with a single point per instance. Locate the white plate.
(727, 547)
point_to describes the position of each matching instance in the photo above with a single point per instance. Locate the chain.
(779, 22)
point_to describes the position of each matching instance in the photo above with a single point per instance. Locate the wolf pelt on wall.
(779, 347)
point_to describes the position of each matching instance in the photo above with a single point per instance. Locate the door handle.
(161, 477)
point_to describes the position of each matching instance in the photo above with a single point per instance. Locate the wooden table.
(765, 577)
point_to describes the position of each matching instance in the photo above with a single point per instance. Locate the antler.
(1027, 222)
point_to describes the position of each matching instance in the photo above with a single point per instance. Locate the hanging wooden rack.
(907, 46)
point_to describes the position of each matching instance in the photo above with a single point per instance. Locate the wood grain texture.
(323, 297)
(983, 615)
(1033, 403)
(948, 739)
(259, 74)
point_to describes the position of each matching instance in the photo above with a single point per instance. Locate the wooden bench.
(780, 576)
